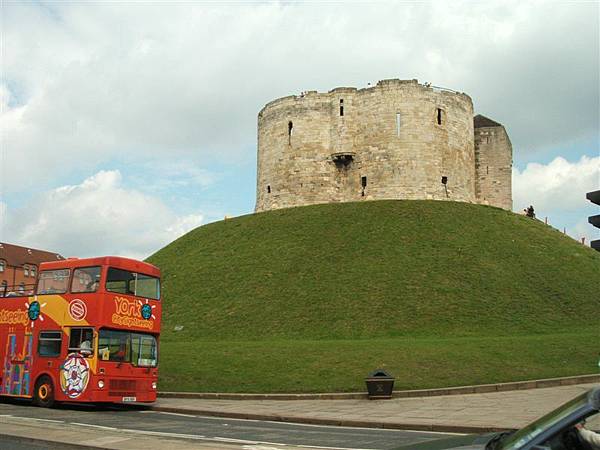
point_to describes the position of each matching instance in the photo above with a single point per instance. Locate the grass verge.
(341, 365)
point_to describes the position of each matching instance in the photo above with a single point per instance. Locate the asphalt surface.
(119, 418)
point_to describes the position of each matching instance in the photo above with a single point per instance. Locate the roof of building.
(15, 255)
(480, 121)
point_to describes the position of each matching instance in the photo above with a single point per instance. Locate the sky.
(125, 125)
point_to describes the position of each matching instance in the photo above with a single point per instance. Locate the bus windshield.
(125, 282)
(139, 349)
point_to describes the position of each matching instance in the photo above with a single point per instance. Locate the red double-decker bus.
(88, 332)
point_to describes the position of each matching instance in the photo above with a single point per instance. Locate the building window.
(439, 116)
(2, 266)
(26, 271)
(49, 343)
(22, 288)
(341, 106)
(363, 183)
(290, 131)
(444, 180)
(32, 271)
(268, 188)
(398, 124)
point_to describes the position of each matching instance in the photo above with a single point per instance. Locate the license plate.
(129, 399)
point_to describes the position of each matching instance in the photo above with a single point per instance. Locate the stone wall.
(396, 140)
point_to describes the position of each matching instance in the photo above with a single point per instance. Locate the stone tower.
(493, 163)
(396, 140)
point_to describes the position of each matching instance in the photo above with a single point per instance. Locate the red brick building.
(19, 268)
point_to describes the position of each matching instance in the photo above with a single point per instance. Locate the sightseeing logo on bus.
(133, 313)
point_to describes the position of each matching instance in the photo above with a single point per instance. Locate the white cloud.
(85, 83)
(559, 185)
(557, 190)
(97, 217)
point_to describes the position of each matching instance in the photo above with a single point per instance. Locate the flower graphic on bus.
(34, 311)
(74, 375)
(146, 310)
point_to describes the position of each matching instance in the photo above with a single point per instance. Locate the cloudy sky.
(124, 125)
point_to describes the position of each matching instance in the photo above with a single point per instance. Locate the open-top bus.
(88, 332)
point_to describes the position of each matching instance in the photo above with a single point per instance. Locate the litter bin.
(379, 384)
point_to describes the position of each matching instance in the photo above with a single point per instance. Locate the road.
(145, 422)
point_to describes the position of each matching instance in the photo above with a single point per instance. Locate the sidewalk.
(468, 413)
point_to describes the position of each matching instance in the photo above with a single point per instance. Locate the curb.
(440, 428)
(459, 390)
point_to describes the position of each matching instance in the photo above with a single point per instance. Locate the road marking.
(176, 414)
(101, 427)
(50, 420)
(343, 427)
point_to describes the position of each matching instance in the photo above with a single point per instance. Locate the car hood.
(469, 442)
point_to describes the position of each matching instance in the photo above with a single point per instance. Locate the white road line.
(176, 414)
(50, 420)
(34, 419)
(101, 427)
(311, 425)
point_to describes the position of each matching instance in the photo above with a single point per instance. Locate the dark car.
(554, 431)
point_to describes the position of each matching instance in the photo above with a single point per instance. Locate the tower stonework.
(493, 163)
(396, 140)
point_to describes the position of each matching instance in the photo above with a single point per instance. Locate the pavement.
(467, 413)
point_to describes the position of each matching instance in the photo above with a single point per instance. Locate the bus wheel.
(44, 392)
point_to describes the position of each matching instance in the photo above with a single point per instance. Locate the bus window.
(114, 346)
(143, 350)
(49, 343)
(139, 349)
(125, 282)
(86, 279)
(53, 281)
(82, 341)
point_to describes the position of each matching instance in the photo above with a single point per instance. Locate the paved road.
(187, 426)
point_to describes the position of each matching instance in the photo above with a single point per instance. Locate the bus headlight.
(154, 385)
(100, 384)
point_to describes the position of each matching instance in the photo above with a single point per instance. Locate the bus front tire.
(44, 392)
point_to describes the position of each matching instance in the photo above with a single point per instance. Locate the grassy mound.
(313, 298)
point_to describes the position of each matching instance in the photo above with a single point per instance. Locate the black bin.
(380, 384)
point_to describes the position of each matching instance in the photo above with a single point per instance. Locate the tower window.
(268, 188)
(341, 106)
(444, 180)
(398, 124)
(363, 182)
(439, 116)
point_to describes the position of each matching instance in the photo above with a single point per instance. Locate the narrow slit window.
(439, 116)
(268, 188)
(398, 123)
(341, 106)
(290, 131)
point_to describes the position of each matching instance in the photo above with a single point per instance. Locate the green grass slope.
(313, 298)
